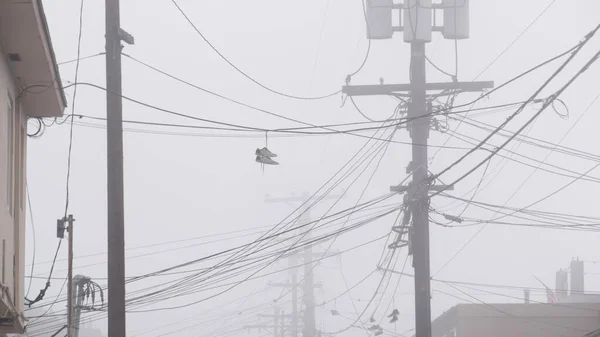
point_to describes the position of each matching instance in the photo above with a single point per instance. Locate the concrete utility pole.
(114, 132)
(417, 26)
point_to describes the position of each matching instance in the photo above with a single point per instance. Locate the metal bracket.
(393, 89)
(126, 37)
(410, 188)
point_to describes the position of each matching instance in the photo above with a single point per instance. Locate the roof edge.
(46, 29)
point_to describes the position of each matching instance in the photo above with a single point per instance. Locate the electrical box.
(60, 228)
(456, 19)
(417, 23)
(379, 19)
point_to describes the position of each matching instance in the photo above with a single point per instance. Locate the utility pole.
(417, 24)
(77, 292)
(115, 217)
(310, 328)
(419, 133)
(293, 286)
(278, 326)
(70, 221)
(308, 285)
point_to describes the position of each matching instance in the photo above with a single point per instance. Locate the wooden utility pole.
(114, 122)
(278, 326)
(417, 25)
(310, 324)
(419, 203)
(308, 286)
(70, 307)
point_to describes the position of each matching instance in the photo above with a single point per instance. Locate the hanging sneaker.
(266, 160)
(265, 153)
(374, 328)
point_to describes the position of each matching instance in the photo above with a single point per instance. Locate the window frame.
(10, 155)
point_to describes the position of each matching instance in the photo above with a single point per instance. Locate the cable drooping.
(69, 155)
(224, 58)
(495, 151)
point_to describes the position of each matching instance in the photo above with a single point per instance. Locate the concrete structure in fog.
(30, 87)
(518, 320)
(577, 313)
(575, 291)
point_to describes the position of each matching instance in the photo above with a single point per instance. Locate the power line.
(81, 58)
(267, 232)
(473, 141)
(318, 191)
(368, 52)
(248, 128)
(69, 156)
(589, 63)
(535, 20)
(187, 18)
(495, 308)
(522, 107)
(350, 249)
(73, 107)
(499, 56)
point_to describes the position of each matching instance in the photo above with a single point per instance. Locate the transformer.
(417, 23)
(456, 19)
(379, 19)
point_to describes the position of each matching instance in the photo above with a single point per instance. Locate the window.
(10, 156)
(3, 262)
(17, 163)
(21, 159)
(14, 289)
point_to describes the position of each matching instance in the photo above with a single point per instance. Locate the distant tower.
(562, 284)
(577, 278)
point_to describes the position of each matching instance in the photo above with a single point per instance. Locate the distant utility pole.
(308, 286)
(310, 324)
(417, 23)
(278, 327)
(114, 132)
(77, 292)
(61, 227)
(293, 262)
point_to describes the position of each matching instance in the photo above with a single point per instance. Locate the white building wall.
(12, 188)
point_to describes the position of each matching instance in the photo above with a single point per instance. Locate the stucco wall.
(12, 223)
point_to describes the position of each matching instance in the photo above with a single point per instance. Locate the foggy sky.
(180, 187)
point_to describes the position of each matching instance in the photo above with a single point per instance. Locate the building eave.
(46, 29)
(27, 45)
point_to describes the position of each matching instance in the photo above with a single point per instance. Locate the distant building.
(29, 87)
(574, 313)
(576, 292)
(518, 320)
